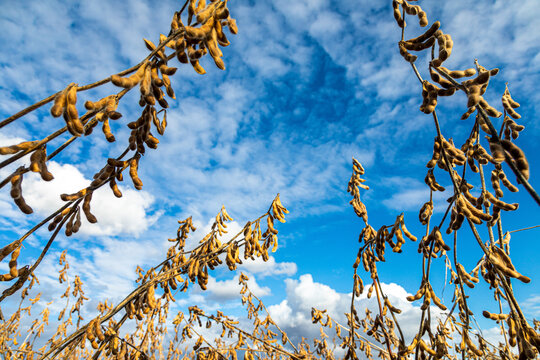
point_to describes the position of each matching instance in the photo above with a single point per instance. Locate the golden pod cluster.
(456, 156)
(426, 291)
(429, 97)
(65, 105)
(278, 210)
(477, 87)
(141, 134)
(73, 224)
(198, 41)
(358, 285)
(93, 332)
(106, 109)
(468, 210)
(511, 128)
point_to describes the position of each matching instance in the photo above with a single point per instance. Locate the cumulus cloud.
(220, 290)
(410, 194)
(268, 268)
(126, 215)
(294, 313)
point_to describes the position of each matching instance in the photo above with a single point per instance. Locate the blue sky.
(309, 84)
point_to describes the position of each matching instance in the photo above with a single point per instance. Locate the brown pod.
(406, 55)
(122, 82)
(458, 74)
(441, 80)
(71, 95)
(86, 208)
(77, 224)
(507, 182)
(117, 163)
(16, 194)
(71, 116)
(428, 34)
(133, 165)
(473, 95)
(425, 212)
(508, 107)
(194, 54)
(146, 82)
(6, 250)
(98, 105)
(491, 111)
(518, 156)
(156, 80)
(131, 81)
(212, 45)
(97, 329)
(13, 272)
(193, 33)
(231, 23)
(197, 67)
(149, 45)
(167, 70)
(422, 18)
(497, 151)
(35, 160)
(436, 154)
(69, 224)
(44, 172)
(397, 14)
(495, 183)
(499, 203)
(75, 196)
(182, 56)
(205, 15)
(107, 131)
(221, 37)
(446, 92)
(468, 112)
(59, 104)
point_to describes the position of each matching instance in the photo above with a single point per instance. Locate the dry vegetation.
(140, 326)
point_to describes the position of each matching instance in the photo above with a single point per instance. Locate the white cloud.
(531, 305)
(294, 313)
(127, 215)
(221, 290)
(268, 268)
(408, 194)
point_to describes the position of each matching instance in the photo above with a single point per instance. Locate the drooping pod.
(518, 157)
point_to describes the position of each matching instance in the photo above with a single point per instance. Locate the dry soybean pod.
(518, 156)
